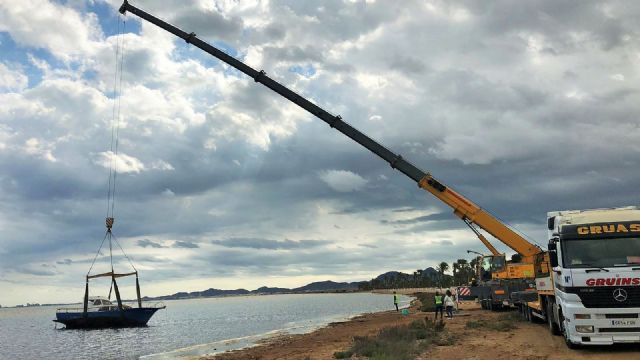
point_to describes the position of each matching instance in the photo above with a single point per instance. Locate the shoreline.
(523, 340)
(350, 311)
(322, 342)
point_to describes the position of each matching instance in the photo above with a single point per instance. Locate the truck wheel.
(553, 326)
(570, 344)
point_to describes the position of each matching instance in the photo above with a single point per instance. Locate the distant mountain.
(429, 272)
(319, 286)
(328, 286)
(270, 290)
(389, 275)
(198, 294)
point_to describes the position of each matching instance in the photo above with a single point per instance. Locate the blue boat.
(100, 312)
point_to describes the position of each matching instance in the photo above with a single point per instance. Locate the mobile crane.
(498, 279)
(572, 295)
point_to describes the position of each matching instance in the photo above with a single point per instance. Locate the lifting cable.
(115, 120)
(113, 149)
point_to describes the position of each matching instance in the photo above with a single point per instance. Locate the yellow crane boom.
(462, 207)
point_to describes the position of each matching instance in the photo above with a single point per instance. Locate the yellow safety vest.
(438, 299)
(395, 298)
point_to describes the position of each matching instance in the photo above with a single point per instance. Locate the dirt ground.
(527, 342)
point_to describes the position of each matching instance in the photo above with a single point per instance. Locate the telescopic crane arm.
(462, 207)
(483, 239)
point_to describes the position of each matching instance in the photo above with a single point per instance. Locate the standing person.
(449, 304)
(438, 301)
(396, 300)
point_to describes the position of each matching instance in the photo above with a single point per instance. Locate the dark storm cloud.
(336, 20)
(404, 209)
(452, 224)
(41, 271)
(469, 89)
(148, 243)
(409, 65)
(368, 246)
(293, 53)
(552, 18)
(522, 108)
(443, 242)
(185, 245)
(269, 244)
(419, 219)
(343, 261)
(210, 24)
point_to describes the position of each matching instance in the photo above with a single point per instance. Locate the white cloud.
(343, 180)
(12, 79)
(617, 77)
(45, 24)
(122, 163)
(162, 165)
(34, 147)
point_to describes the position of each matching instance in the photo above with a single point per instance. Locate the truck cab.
(595, 258)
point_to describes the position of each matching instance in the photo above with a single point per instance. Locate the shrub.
(401, 342)
(427, 301)
(343, 354)
(505, 323)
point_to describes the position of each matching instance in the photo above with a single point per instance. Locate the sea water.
(185, 328)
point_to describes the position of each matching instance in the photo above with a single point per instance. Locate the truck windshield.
(601, 252)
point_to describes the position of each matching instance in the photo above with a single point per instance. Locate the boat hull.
(106, 319)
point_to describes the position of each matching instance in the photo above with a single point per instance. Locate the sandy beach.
(324, 342)
(528, 341)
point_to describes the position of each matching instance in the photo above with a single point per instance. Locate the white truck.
(593, 294)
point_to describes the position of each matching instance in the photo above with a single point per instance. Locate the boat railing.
(112, 307)
(155, 304)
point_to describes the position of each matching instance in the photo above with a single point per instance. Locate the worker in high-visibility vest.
(439, 305)
(396, 300)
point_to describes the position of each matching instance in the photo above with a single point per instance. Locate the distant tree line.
(463, 274)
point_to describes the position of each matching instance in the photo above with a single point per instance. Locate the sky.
(523, 107)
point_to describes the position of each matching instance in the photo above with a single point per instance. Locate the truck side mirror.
(553, 253)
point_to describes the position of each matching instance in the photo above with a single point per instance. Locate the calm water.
(185, 328)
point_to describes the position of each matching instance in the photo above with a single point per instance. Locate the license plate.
(623, 322)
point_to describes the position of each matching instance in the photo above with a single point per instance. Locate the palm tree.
(475, 270)
(442, 267)
(456, 272)
(461, 272)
